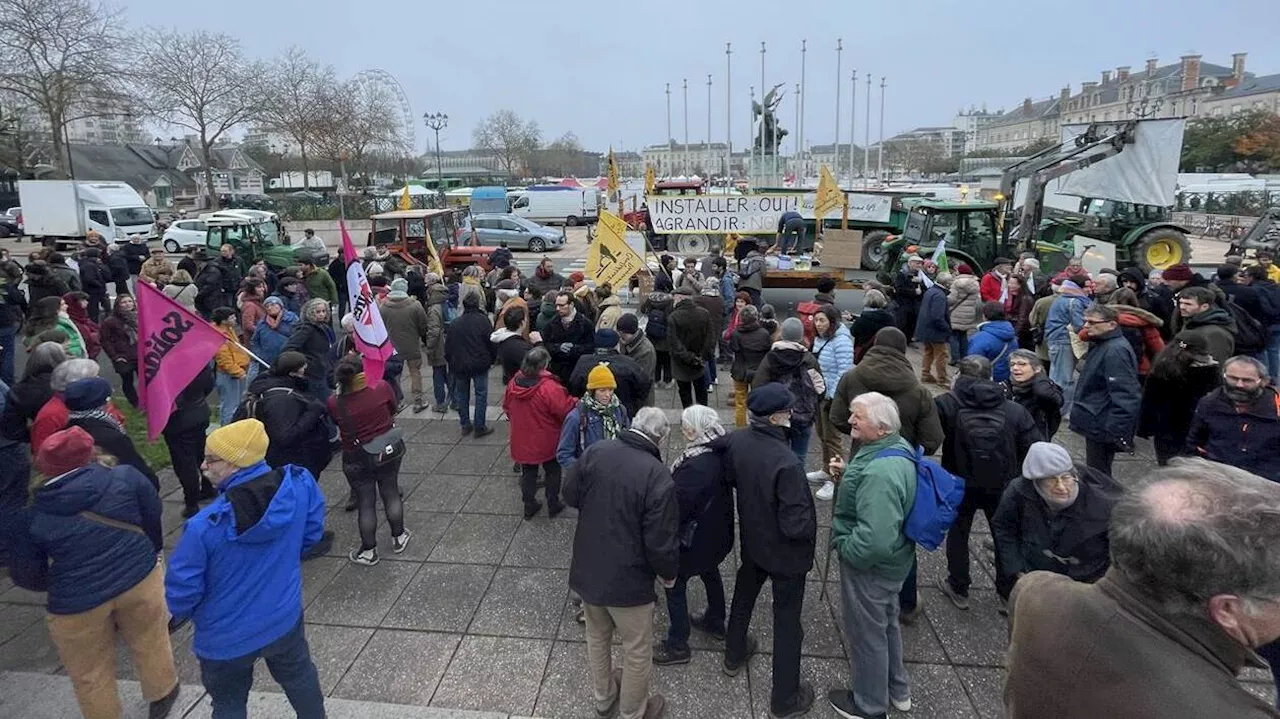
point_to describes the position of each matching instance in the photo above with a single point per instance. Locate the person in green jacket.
(319, 283)
(875, 496)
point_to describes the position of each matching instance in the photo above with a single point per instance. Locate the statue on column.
(770, 134)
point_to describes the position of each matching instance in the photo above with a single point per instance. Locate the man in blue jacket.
(1108, 394)
(995, 340)
(237, 572)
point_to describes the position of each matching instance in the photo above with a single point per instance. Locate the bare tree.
(59, 56)
(200, 81)
(511, 139)
(562, 156)
(360, 117)
(294, 88)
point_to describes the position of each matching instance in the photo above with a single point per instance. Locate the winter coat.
(466, 344)
(995, 341)
(1042, 399)
(1107, 393)
(191, 406)
(1038, 319)
(406, 322)
(583, 428)
(964, 304)
(889, 372)
(1066, 315)
(1072, 541)
(752, 270)
(778, 522)
(1248, 438)
(1268, 294)
(230, 359)
(157, 271)
(115, 443)
(268, 342)
(1160, 302)
(1219, 300)
(580, 335)
(1107, 650)
(537, 407)
(23, 402)
(628, 519)
(69, 277)
(42, 282)
(509, 348)
(634, 384)
(706, 502)
(835, 357)
(118, 267)
(869, 322)
(691, 336)
(315, 341)
(88, 329)
(714, 307)
(13, 305)
(1019, 313)
(875, 498)
(320, 285)
(93, 276)
(932, 325)
(1168, 405)
(783, 361)
(296, 422)
(434, 340)
(136, 253)
(991, 287)
(1244, 295)
(80, 562)
(610, 311)
(119, 339)
(658, 304)
(184, 294)
(237, 570)
(251, 313)
(210, 291)
(1217, 327)
(76, 345)
(550, 283)
(975, 395)
(1142, 329)
(640, 349)
(749, 344)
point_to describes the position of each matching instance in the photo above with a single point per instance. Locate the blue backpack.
(938, 497)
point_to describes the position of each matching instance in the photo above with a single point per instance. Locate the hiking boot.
(364, 557)
(800, 706)
(960, 600)
(732, 668)
(655, 707)
(483, 432)
(159, 709)
(699, 622)
(554, 508)
(665, 655)
(532, 509)
(350, 506)
(826, 492)
(843, 705)
(398, 544)
(466, 430)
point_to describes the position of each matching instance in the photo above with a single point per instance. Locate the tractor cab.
(427, 238)
(255, 235)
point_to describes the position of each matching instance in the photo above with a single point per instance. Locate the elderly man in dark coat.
(692, 336)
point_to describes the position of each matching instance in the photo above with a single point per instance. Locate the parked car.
(9, 226)
(517, 232)
(184, 233)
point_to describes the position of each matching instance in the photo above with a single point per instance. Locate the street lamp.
(437, 121)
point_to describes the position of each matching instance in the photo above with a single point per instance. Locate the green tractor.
(253, 236)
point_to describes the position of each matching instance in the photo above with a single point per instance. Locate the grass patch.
(155, 453)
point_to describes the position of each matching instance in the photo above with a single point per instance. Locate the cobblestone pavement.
(475, 614)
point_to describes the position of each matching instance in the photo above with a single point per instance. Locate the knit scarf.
(698, 445)
(99, 414)
(608, 413)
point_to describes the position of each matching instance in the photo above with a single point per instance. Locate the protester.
(1061, 334)
(1190, 594)
(1140, 327)
(25, 399)
(1018, 310)
(995, 340)
(1180, 376)
(13, 309)
(655, 308)
(406, 323)
(964, 311)
(633, 343)
(790, 363)
(833, 348)
(537, 405)
(933, 330)
(610, 307)
(749, 344)
(634, 384)
(92, 540)
(313, 248)
(211, 288)
(876, 495)
(995, 283)
(156, 271)
(568, 337)
(1239, 423)
(119, 336)
(232, 364)
(469, 354)
(1053, 518)
(1108, 396)
(182, 290)
(50, 313)
(509, 345)
(87, 407)
(93, 279)
(1031, 388)
(319, 284)
(752, 269)
(706, 535)
(873, 318)
(297, 424)
(67, 277)
(986, 439)
(77, 311)
(118, 268)
(436, 295)
(598, 415)
(886, 369)
(314, 338)
(691, 333)
(1200, 315)
(908, 290)
(54, 414)
(237, 573)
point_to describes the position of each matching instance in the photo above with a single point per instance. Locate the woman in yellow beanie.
(598, 415)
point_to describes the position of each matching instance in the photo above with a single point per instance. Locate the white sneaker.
(818, 477)
(398, 544)
(827, 491)
(367, 557)
(902, 706)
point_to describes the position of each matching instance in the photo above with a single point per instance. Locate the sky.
(599, 69)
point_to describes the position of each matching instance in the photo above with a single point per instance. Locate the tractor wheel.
(1159, 249)
(693, 245)
(873, 250)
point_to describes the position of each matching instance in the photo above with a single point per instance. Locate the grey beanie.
(1046, 459)
(793, 330)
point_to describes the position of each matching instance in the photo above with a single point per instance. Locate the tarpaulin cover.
(1145, 173)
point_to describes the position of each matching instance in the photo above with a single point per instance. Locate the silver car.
(517, 232)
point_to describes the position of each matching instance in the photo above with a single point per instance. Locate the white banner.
(1145, 173)
(748, 214)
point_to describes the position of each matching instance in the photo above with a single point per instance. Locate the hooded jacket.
(510, 347)
(183, 293)
(210, 288)
(80, 562)
(537, 407)
(436, 294)
(93, 276)
(1142, 329)
(691, 336)
(995, 341)
(964, 303)
(1217, 327)
(783, 360)
(1066, 312)
(295, 421)
(869, 322)
(932, 325)
(749, 343)
(116, 443)
(610, 310)
(268, 342)
(406, 322)
(88, 329)
(237, 571)
(1248, 438)
(984, 396)
(575, 438)
(1107, 393)
(888, 371)
(119, 336)
(1073, 541)
(315, 341)
(634, 384)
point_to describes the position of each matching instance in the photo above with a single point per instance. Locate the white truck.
(557, 207)
(62, 212)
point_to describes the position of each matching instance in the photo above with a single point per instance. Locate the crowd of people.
(1191, 554)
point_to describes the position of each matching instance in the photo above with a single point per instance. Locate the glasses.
(1066, 481)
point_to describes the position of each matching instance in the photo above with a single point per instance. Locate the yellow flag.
(405, 203)
(649, 180)
(829, 195)
(610, 259)
(613, 173)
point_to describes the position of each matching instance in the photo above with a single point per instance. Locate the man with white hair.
(627, 535)
(1193, 590)
(876, 494)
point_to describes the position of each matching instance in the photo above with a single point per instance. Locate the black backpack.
(252, 403)
(656, 327)
(807, 394)
(983, 445)
(1251, 336)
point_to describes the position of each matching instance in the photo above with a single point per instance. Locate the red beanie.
(964, 269)
(1179, 273)
(577, 277)
(64, 451)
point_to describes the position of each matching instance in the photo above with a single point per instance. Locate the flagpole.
(866, 142)
(728, 110)
(804, 49)
(249, 352)
(853, 120)
(839, 52)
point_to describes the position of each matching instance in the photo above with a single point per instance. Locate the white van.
(556, 207)
(65, 210)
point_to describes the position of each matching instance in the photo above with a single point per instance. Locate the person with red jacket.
(1140, 327)
(537, 404)
(995, 284)
(78, 311)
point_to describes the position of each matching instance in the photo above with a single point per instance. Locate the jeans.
(230, 392)
(792, 236)
(1273, 351)
(461, 394)
(289, 661)
(8, 351)
(799, 436)
(788, 600)
(440, 383)
(975, 500)
(870, 618)
(678, 607)
(959, 345)
(367, 482)
(1099, 455)
(691, 390)
(709, 373)
(529, 483)
(1062, 370)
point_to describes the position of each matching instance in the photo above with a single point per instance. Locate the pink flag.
(174, 345)
(371, 334)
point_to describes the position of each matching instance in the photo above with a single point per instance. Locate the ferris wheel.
(383, 83)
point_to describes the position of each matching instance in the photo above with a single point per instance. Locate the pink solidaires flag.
(174, 345)
(371, 334)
